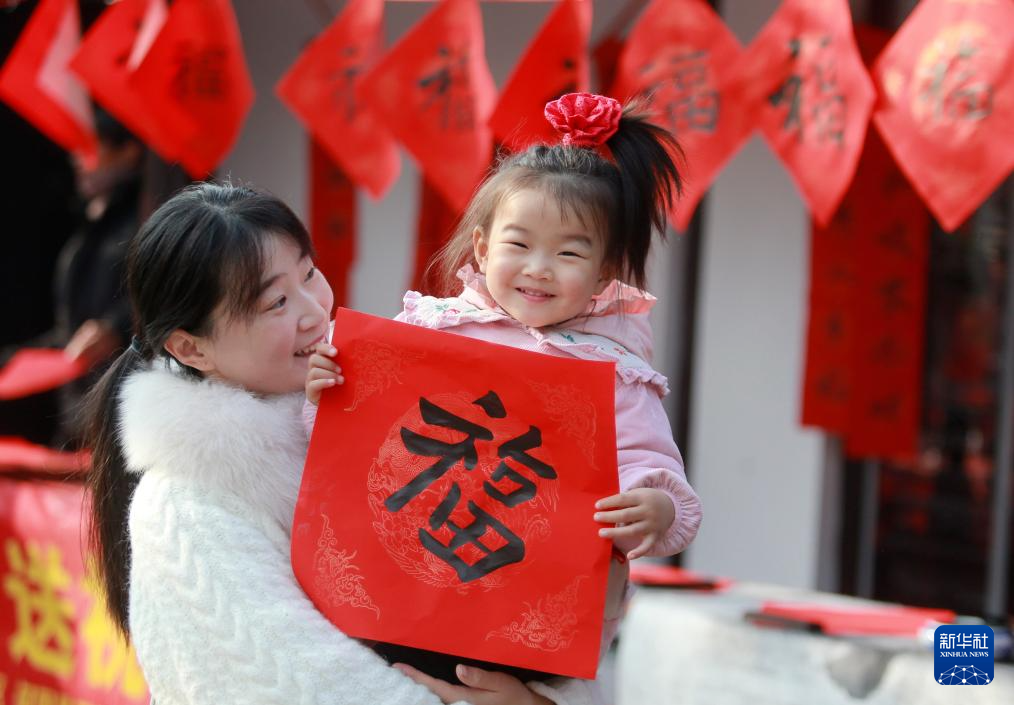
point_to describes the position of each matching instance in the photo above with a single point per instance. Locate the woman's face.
(268, 351)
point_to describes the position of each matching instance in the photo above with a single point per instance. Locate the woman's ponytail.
(650, 183)
(111, 485)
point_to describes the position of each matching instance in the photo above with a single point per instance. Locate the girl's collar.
(616, 298)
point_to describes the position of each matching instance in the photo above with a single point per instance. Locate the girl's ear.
(480, 247)
(189, 350)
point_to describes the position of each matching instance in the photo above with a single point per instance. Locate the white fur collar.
(218, 437)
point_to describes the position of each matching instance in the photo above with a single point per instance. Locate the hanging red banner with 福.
(59, 644)
(435, 93)
(868, 271)
(555, 63)
(947, 113)
(321, 89)
(448, 494)
(195, 77)
(679, 57)
(35, 79)
(333, 221)
(114, 46)
(803, 82)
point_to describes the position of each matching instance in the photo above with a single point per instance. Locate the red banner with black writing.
(448, 495)
(679, 57)
(947, 108)
(194, 76)
(555, 63)
(58, 643)
(434, 92)
(321, 88)
(802, 81)
(333, 221)
(868, 271)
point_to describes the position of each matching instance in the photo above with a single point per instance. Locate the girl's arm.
(648, 457)
(217, 616)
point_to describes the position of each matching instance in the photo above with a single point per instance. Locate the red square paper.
(947, 107)
(433, 441)
(804, 79)
(681, 57)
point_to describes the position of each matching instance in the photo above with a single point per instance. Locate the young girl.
(198, 449)
(556, 232)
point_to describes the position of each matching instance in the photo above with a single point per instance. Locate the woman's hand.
(643, 515)
(480, 687)
(323, 372)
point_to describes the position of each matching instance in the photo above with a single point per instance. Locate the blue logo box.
(963, 654)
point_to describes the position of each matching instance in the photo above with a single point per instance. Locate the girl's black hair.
(201, 254)
(627, 199)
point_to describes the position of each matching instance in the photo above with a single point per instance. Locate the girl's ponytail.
(650, 183)
(111, 485)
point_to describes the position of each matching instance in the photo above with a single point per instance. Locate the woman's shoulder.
(213, 437)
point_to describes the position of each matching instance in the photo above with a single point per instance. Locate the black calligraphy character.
(344, 81)
(512, 551)
(199, 74)
(893, 293)
(517, 449)
(455, 111)
(448, 453)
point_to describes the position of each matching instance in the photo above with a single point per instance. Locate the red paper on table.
(195, 77)
(448, 494)
(321, 89)
(947, 106)
(333, 221)
(804, 82)
(434, 91)
(110, 51)
(888, 620)
(34, 370)
(20, 454)
(658, 575)
(37, 83)
(434, 226)
(680, 57)
(555, 63)
(60, 644)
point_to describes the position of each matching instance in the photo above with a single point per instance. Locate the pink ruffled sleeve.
(648, 457)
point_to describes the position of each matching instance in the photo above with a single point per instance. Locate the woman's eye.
(309, 275)
(279, 303)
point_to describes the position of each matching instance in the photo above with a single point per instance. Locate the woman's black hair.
(627, 199)
(202, 252)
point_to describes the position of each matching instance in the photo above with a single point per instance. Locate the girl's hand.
(643, 514)
(480, 687)
(324, 372)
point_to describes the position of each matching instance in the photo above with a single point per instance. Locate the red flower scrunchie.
(584, 119)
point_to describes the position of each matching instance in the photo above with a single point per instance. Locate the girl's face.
(268, 352)
(542, 265)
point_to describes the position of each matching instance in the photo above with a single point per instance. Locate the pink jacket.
(614, 329)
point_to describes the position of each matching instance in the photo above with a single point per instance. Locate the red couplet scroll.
(448, 495)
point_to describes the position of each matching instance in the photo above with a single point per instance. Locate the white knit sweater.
(216, 614)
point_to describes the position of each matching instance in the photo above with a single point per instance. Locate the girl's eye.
(279, 303)
(519, 244)
(309, 275)
(568, 253)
